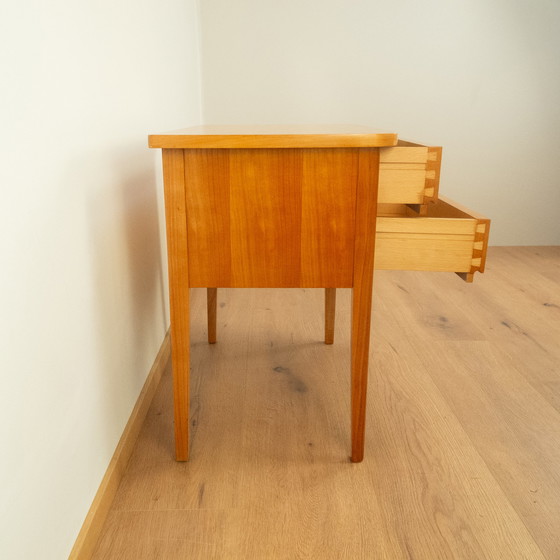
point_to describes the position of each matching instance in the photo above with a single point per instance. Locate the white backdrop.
(481, 78)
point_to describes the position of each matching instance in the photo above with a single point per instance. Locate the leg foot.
(212, 305)
(330, 306)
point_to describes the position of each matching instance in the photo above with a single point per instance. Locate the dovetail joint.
(478, 247)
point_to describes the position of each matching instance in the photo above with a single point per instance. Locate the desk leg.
(212, 309)
(361, 319)
(330, 306)
(180, 353)
(176, 221)
(366, 204)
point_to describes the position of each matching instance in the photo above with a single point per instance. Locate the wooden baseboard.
(93, 523)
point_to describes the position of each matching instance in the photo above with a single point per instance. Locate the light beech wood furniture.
(416, 228)
(250, 207)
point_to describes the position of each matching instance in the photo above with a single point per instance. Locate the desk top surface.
(273, 136)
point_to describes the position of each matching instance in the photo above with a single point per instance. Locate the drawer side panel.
(394, 252)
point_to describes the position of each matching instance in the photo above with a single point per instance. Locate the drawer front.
(409, 174)
(448, 238)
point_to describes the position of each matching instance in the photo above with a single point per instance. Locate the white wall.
(481, 78)
(82, 297)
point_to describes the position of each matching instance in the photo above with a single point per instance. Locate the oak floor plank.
(518, 323)
(166, 534)
(504, 390)
(440, 479)
(462, 430)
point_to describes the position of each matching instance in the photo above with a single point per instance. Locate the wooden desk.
(256, 207)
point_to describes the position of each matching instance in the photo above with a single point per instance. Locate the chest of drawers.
(307, 206)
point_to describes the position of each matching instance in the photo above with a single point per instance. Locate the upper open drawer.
(409, 174)
(449, 238)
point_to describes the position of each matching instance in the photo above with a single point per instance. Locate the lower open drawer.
(448, 238)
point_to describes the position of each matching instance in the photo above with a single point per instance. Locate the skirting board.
(89, 533)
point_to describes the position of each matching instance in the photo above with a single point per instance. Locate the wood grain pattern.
(262, 218)
(266, 214)
(209, 228)
(427, 225)
(273, 136)
(177, 254)
(429, 253)
(402, 154)
(328, 217)
(366, 211)
(402, 185)
(463, 427)
(501, 380)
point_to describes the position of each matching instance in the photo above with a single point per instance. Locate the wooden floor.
(463, 427)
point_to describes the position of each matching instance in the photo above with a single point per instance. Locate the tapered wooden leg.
(361, 320)
(180, 352)
(330, 306)
(366, 204)
(212, 305)
(175, 210)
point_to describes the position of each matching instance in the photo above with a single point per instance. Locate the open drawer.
(447, 238)
(409, 174)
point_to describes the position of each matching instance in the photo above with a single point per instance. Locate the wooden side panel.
(385, 210)
(402, 154)
(262, 218)
(207, 196)
(328, 217)
(414, 252)
(265, 217)
(428, 226)
(402, 185)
